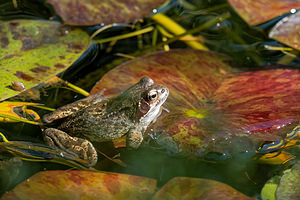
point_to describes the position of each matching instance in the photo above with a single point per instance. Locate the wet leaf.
(213, 108)
(289, 186)
(13, 111)
(33, 51)
(197, 188)
(87, 13)
(37, 91)
(82, 185)
(259, 11)
(287, 31)
(285, 187)
(276, 158)
(41, 153)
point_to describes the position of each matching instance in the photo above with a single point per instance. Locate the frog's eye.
(152, 95)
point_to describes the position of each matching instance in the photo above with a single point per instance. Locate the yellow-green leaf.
(32, 51)
(8, 112)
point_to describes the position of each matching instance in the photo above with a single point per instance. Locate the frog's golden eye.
(152, 95)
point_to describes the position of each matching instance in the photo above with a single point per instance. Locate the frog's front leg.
(83, 148)
(135, 137)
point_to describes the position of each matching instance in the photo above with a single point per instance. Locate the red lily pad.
(287, 31)
(82, 185)
(213, 108)
(197, 188)
(259, 11)
(91, 12)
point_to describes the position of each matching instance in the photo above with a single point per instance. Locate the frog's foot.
(134, 138)
(83, 148)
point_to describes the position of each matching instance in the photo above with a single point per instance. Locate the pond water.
(245, 45)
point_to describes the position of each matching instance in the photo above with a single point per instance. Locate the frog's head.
(149, 97)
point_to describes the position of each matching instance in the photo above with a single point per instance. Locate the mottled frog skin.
(97, 118)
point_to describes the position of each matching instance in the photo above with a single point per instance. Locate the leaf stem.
(124, 36)
(176, 29)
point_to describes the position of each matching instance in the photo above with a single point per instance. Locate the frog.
(98, 118)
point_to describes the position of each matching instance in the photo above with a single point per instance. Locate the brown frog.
(100, 119)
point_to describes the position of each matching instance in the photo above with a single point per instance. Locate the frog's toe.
(134, 139)
(86, 151)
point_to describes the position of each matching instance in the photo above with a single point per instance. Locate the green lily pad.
(259, 11)
(287, 31)
(82, 185)
(197, 188)
(87, 13)
(33, 51)
(213, 108)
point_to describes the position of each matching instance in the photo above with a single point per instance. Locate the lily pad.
(87, 13)
(33, 51)
(259, 11)
(82, 185)
(197, 188)
(213, 108)
(287, 31)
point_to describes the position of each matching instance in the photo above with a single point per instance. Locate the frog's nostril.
(162, 91)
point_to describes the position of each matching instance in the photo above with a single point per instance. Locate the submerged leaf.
(197, 188)
(82, 185)
(259, 11)
(41, 153)
(269, 189)
(213, 108)
(289, 186)
(16, 112)
(285, 187)
(287, 31)
(91, 12)
(33, 51)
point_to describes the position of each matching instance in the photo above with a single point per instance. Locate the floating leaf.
(259, 11)
(287, 31)
(33, 51)
(82, 185)
(213, 108)
(197, 188)
(87, 13)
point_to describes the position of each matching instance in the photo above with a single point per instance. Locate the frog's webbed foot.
(134, 138)
(83, 148)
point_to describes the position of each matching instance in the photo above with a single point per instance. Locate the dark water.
(245, 45)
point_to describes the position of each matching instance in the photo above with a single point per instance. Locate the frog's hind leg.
(83, 148)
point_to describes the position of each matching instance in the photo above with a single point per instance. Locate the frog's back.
(97, 124)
